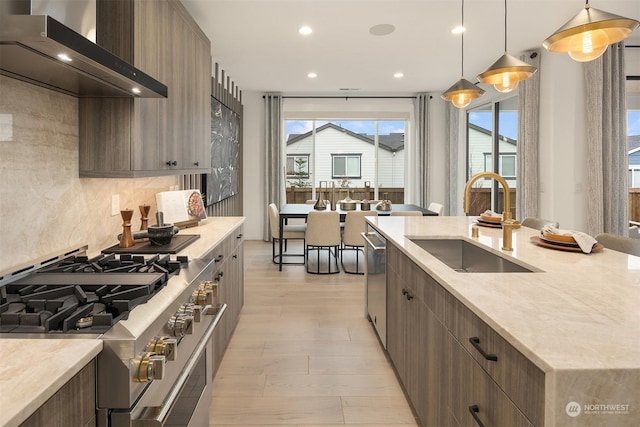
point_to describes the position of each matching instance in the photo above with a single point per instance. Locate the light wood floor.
(303, 354)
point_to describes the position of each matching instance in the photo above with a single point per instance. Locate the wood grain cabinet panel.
(475, 398)
(73, 405)
(150, 137)
(512, 371)
(229, 271)
(443, 373)
(415, 339)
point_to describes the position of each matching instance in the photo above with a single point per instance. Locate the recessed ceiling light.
(64, 57)
(305, 30)
(382, 29)
(135, 90)
(458, 30)
(398, 75)
(312, 75)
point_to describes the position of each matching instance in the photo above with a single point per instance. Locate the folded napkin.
(491, 213)
(583, 240)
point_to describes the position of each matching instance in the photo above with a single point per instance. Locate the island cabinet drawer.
(426, 289)
(521, 380)
(475, 399)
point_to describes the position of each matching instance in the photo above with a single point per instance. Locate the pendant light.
(463, 91)
(587, 35)
(507, 71)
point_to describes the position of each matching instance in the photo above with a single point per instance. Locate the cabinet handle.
(239, 236)
(172, 163)
(196, 164)
(475, 341)
(405, 292)
(409, 296)
(235, 256)
(474, 413)
(219, 258)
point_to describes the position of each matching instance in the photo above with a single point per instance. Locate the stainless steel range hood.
(30, 46)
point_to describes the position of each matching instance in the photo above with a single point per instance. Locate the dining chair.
(614, 242)
(289, 232)
(538, 223)
(354, 224)
(323, 234)
(406, 213)
(436, 207)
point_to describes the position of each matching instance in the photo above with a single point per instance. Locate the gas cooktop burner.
(83, 295)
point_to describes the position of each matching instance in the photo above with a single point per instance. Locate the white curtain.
(452, 117)
(421, 108)
(527, 193)
(274, 156)
(606, 123)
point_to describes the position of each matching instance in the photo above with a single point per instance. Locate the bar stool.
(538, 223)
(323, 234)
(614, 242)
(288, 232)
(354, 224)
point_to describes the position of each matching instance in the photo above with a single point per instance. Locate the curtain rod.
(347, 97)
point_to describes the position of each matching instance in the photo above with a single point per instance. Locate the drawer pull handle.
(475, 341)
(219, 258)
(405, 292)
(474, 413)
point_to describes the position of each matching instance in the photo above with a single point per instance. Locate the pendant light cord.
(462, 34)
(505, 26)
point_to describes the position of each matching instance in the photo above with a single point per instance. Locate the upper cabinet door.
(148, 137)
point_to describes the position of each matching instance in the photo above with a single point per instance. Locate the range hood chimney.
(40, 50)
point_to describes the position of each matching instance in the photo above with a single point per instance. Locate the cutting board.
(179, 242)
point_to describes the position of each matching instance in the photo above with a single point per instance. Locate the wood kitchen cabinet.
(150, 137)
(229, 274)
(444, 374)
(415, 337)
(73, 405)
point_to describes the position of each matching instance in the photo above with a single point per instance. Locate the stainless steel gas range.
(156, 314)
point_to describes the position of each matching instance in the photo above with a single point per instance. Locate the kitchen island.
(573, 323)
(35, 368)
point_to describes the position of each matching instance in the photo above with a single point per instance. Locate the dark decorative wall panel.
(224, 179)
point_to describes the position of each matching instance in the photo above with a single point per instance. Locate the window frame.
(334, 156)
(294, 175)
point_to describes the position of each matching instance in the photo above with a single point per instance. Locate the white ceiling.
(257, 44)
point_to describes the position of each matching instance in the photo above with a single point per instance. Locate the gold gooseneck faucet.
(508, 224)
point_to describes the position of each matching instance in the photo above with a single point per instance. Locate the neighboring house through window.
(297, 166)
(346, 165)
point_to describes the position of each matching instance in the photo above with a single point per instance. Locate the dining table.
(301, 210)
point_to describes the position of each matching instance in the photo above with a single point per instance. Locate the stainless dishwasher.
(376, 282)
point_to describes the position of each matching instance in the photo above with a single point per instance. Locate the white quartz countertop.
(32, 370)
(578, 319)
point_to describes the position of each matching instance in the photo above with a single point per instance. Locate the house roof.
(488, 132)
(392, 142)
(634, 143)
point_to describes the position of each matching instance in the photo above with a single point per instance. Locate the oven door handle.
(160, 414)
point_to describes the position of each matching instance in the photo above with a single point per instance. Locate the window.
(492, 128)
(346, 165)
(506, 167)
(366, 156)
(298, 166)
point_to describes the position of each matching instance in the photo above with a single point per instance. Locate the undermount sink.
(466, 257)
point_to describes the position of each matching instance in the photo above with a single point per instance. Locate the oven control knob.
(148, 367)
(191, 309)
(210, 286)
(163, 346)
(202, 297)
(180, 325)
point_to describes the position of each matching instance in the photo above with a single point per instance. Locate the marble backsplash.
(44, 206)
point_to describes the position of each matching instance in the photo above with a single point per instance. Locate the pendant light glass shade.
(463, 91)
(587, 35)
(507, 71)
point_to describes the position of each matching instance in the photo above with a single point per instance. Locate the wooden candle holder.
(126, 241)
